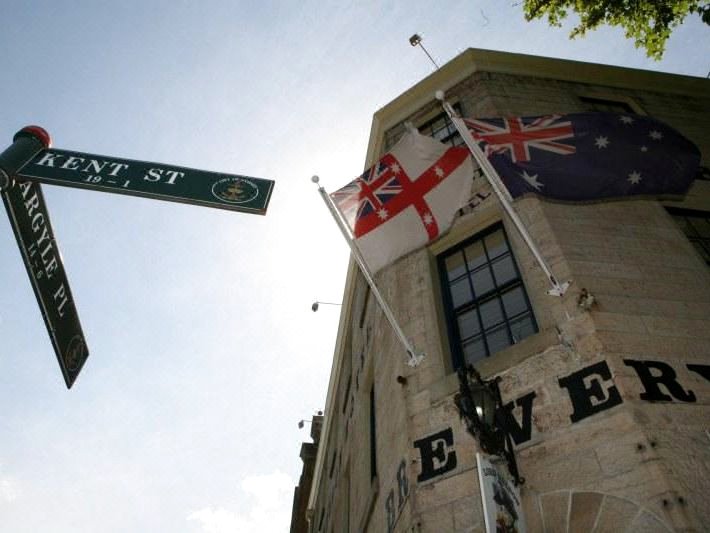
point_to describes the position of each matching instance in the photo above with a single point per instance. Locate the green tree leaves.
(648, 22)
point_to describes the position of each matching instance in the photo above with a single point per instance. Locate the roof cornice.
(478, 60)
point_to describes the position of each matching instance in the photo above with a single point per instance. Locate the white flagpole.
(414, 357)
(501, 191)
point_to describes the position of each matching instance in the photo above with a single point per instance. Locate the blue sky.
(204, 351)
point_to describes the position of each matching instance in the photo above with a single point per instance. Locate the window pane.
(684, 224)
(491, 313)
(474, 350)
(498, 339)
(438, 123)
(475, 256)
(455, 266)
(522, 327)
(468, 324)
(460, 292)
(482, 281)
(496, 245)
(439, 135)
(514, 302)
(504, 270)
(704, 251)
(603, 104)
(696, 226)
(702, 227)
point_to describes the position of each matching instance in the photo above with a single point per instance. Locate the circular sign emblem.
(235, 190)
(75, 354)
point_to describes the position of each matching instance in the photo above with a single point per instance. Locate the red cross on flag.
(407, 199)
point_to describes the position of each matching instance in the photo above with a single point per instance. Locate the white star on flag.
(439, 172)
(626, 120)
(635, 177)
(428, 219)
(655, 135)
(532, 180)
(382, 213)
(601, 142)
(396, 168)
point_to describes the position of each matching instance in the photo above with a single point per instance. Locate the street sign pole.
(30, 222)
(27, 143)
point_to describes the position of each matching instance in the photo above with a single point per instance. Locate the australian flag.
(587, 156)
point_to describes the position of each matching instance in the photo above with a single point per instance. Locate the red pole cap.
(37, 132)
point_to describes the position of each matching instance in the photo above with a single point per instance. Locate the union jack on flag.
(369, 193)
(516, 135)
(408, 198)
(587, 156)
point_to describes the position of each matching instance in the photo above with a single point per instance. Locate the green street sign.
(30, 222)
(149, 180)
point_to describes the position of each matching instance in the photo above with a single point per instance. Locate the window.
(439, 127)
(332, 464)
(486, 306)
(373, 436)
(607, 105)
(346, 394)
(703, 174)
(696, 226)
(442, 129)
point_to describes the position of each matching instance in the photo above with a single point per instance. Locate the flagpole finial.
(315, 179)
(439, 95)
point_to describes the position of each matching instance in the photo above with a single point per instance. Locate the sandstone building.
(608, 407)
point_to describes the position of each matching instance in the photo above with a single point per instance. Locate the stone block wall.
(609, 406)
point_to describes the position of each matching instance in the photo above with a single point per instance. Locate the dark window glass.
(487, 308)
(373, 435)
(696, 226)
(606, 105)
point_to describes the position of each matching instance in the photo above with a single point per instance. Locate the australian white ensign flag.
(407, 199)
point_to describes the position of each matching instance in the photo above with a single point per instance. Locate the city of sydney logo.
(235, 190)
(75, 354)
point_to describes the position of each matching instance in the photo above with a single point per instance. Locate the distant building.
(309, 451)
(609, 407)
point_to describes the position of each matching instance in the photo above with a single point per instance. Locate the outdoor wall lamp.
(480, 407)
(315, 305)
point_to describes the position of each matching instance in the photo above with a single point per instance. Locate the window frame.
(426, 128)
(696, 240)
(451, 314)
(628, 104)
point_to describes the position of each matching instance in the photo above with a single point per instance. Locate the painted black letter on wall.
(703, 370)
(520, 433)
(666, 377)
(581, 396)
(432, 449)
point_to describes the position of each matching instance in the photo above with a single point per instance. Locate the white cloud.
(269, 500)
(8, 489)
(218, 520)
